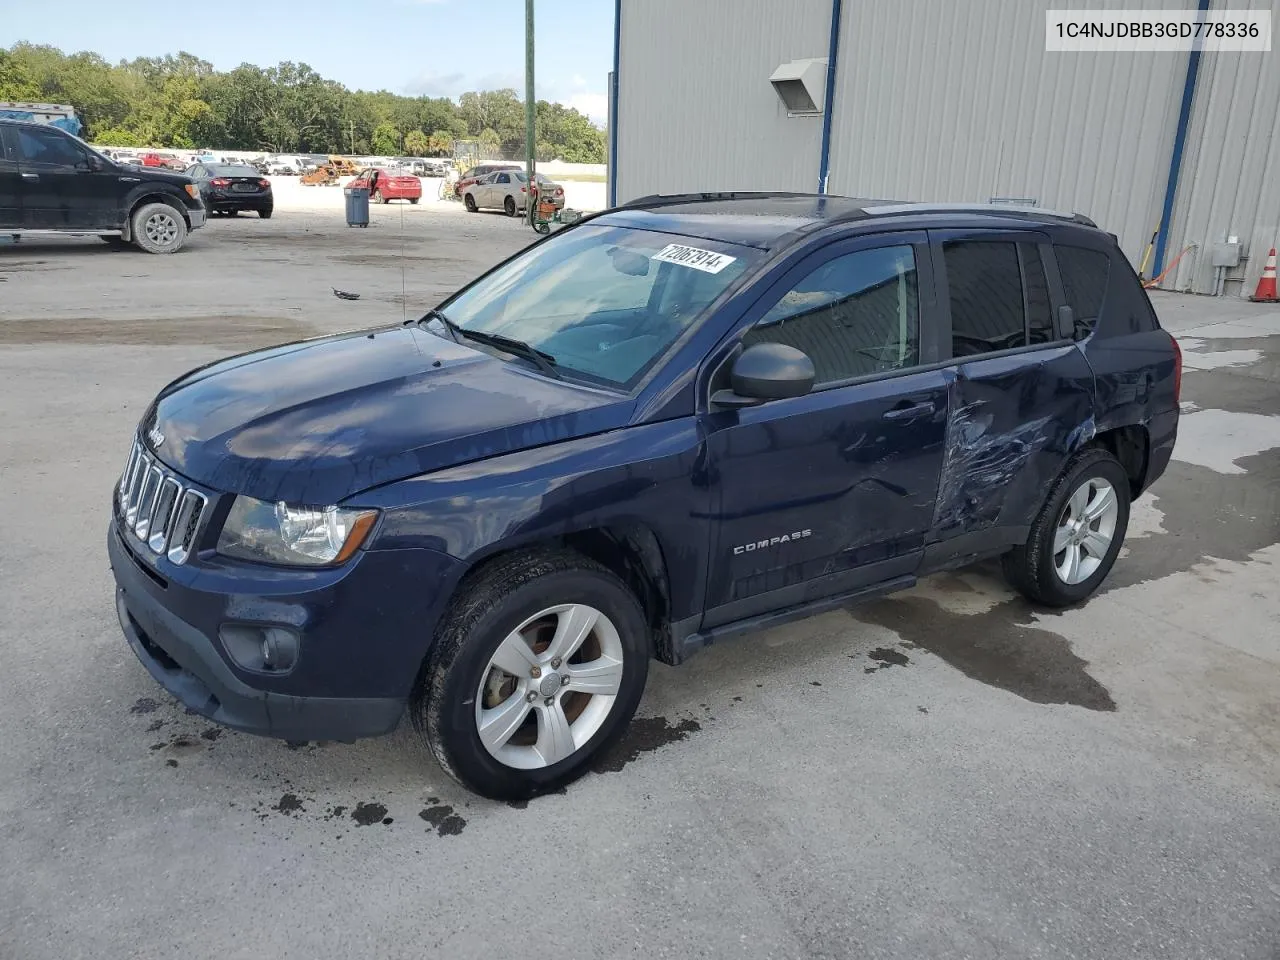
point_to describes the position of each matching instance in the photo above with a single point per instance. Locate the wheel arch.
(136, 201)
(1131, 445)
(628, 549)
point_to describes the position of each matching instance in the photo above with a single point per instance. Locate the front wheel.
(1078, 534)
(377, 197)
(159, 228)
(538, 666)
(509, 207)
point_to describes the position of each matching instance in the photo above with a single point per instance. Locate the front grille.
(157, 507)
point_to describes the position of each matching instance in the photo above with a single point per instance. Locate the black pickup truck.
(52, 182)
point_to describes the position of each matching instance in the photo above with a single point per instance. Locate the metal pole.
(530, 112)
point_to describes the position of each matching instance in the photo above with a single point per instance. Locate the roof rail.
(892, 209)
(661, 199)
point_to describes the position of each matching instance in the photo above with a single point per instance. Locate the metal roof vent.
(801, 85)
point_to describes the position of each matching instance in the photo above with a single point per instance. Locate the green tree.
(416, 143)
(440, 143)
(386, 139)
(490, 144)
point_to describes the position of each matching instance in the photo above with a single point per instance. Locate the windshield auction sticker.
(708, 261)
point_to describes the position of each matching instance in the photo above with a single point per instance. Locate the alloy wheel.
(1085, 530)
(162, 229)
(549, 686)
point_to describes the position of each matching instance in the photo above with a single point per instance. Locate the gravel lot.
(947, 773)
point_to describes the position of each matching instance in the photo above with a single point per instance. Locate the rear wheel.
(265, 212)
(159, 228)
(537, 667)
(413, 200)
(377, 197)
(469, 202)
(509, 207)
(1077, 535)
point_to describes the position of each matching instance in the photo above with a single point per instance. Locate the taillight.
(1177, 370)
(220, 182)
(265, 183)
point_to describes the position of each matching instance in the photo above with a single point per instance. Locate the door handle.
(921, 409)
(31, 176)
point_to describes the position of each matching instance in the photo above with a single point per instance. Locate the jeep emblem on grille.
(156, 437)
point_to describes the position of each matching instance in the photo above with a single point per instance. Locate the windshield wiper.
(543, 361)
(450, 327)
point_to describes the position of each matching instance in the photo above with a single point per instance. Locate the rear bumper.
(233, 202)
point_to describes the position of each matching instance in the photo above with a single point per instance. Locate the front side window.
(605, 302)
(48, 148)
(998, 294)
(854, 315)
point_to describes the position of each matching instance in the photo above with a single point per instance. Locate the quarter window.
(998, 294)
(853, 316)
(1084, 283)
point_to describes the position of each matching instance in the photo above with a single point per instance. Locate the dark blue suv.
(677, 421)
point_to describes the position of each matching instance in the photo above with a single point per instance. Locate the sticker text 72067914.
(708, 261)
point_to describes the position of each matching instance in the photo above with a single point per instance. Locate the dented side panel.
(1013, 422)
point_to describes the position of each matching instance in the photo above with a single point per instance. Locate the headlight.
(284, 533)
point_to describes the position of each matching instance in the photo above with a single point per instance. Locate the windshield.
(605, 302)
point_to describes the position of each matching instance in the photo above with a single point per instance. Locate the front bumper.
(348, 683)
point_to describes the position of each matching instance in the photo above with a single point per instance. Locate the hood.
(317, 421)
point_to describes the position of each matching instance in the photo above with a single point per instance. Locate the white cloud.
(594, 105)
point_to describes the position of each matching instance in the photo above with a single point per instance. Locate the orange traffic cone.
(1266, 292)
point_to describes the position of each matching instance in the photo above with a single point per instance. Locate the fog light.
(260, 649)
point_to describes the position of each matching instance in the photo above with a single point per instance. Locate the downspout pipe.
(833, 51)
(613, 105)
(1179, 144)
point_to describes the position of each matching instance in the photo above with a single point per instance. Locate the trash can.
(357, 206)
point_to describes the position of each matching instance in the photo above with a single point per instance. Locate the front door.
(59, 189)
(10, 180)
(827, 493)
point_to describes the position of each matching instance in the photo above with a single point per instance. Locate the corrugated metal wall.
(695, 108)
(960, 101)
(1230, 183)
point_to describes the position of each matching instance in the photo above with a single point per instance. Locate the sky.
(439, 48)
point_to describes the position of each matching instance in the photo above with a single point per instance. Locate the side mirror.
(1066, 323)
(94, 163)
(767, 371)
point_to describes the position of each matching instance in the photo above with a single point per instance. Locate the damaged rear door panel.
(1021, 395)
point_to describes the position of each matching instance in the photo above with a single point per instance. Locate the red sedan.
(385, 186)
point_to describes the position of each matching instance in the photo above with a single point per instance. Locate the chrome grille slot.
(157, 506)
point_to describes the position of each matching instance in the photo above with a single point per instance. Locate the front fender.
(651, 475)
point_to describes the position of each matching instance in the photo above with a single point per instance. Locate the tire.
(265, 213)
(509, 207)
(377, 197)
(414, 201)
(537, 593)
(1077, 497)
(159, 228)
(469, 202)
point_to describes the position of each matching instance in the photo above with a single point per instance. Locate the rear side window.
(1084, 282)
(998, 294)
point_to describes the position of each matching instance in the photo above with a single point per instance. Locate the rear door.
(827, 493)
(1022, 392)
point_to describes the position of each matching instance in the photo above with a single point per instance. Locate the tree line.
(182, 101)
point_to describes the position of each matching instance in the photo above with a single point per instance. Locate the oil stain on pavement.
(1001, 647)
(643, 735)
(441, 818)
